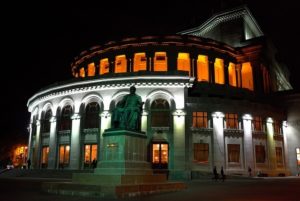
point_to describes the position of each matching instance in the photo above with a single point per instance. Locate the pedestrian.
(215, 173)
(28, 163)
(249, 171)
(222, 174)
(94, 163)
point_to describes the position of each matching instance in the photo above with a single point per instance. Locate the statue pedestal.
(123, 170)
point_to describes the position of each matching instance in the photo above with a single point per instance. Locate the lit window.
(160, 113)
(276, 125)
(260, 153)
(91, 69)
(279, 157)
(160, 61)
(140, 62)
(121, 64)
(183, 62)
(219, 71)
(298, 156)
(82, 72)
(257, 123)
(104, 66)
(233, 153)
(200, 119)
(160, 153)
(247, 78)
(90, 154)
(202, 68)
(231, 121)
(45, 153)
(232, 74)
(201, 152)
(64, 155)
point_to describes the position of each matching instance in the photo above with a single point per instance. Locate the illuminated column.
(97, 67)
(105, 124)
(30, 130)
(129, 59)
(218, 140)
(194, 58)
(75, 142)
(144, 121)
(37, 145)
(211, 66)
(178, 169)
(248, 143)
(226, 64)
(285, 145)
(271, 144)
(150, 59)
(238, 75)
(52, 144)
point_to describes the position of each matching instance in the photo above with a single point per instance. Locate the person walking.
(215, 173)
(249, 171)
(222, 174)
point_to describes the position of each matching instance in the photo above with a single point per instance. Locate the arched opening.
(183, 62)
(202, 68)
(247, 78)
(160, 61)
(104, 66)
(232, 75)
(219, 71)
(140, 62)
(65, 118)
(160, 113)
(92, 119)
(91, 69)
(121, 64)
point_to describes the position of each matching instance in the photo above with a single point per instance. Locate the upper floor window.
(121, 64)
(200, 120)
(232, 75)
(160, 61)
(82, 72)
(46, 122)
(231, 121)
(202, 68)
(65, 119)
(276, 127)
(247, 78)
(219, 71)
(91, 69)
(104, 66)
(257, 123)
(183, 62)
(140, 62)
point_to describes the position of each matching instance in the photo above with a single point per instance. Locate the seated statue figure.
(127, 114)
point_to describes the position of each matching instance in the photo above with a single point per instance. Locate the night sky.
(44, 39)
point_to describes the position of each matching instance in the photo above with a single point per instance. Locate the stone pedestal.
(123, 171)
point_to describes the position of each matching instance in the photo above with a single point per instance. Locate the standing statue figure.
(127, 114)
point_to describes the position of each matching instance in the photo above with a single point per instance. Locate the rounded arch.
(34, 115)
(159, 94)
(64, 102)
(117, 97)
(89, 98)
(46, 107)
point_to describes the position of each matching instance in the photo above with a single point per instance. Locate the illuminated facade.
(206, 102)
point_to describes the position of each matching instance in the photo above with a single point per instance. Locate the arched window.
(183, 62)
(46, 121)
(65, 119)
(140, 62)
(82, 72)
(202, 68)
(247, 78)
(219, 71)
(232, 74)
(92, 115)
(160, 113)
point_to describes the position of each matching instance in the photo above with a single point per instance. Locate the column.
(105, 124)
(150, 60)
(29, 148)
(271, 144)
(177, 152)
(194, 70)
(144, 120)
(52, 157)
(37, 146)
(75, 142)
(129, 59)
(238, 68)
(226, 76)
(218, 141)
(97, 67)
(248, 142)
(172, 60)
(211, 69)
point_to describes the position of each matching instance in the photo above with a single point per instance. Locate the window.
(46, 122)
(160, 155)
(45, 153)
(183, 62)
(219, 71)
(201, 152)
(276, 127)
(200, 119)
(90, 154)
(233, 153)
(202, 68)
(260, 153)
(257, 123)
(121, 64)
(232, 74)
(104, 66)
(298, 156)
(247, 78)
(66, 122)
(64, 155)
(82, 72)
(231, 121)
(92, 115)
(140, 62)
(279, 157)
(160, 61)
(160, 113)
(91, 69)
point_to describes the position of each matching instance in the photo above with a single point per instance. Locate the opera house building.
(213, 95)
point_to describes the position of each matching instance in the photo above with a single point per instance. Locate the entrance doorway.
(160, 155)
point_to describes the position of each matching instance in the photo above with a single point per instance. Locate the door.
(160, 155)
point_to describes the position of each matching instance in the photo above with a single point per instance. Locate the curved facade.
(206, 104)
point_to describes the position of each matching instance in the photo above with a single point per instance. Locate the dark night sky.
(43, 40)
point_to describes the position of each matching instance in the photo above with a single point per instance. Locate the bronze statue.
(127, 114)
